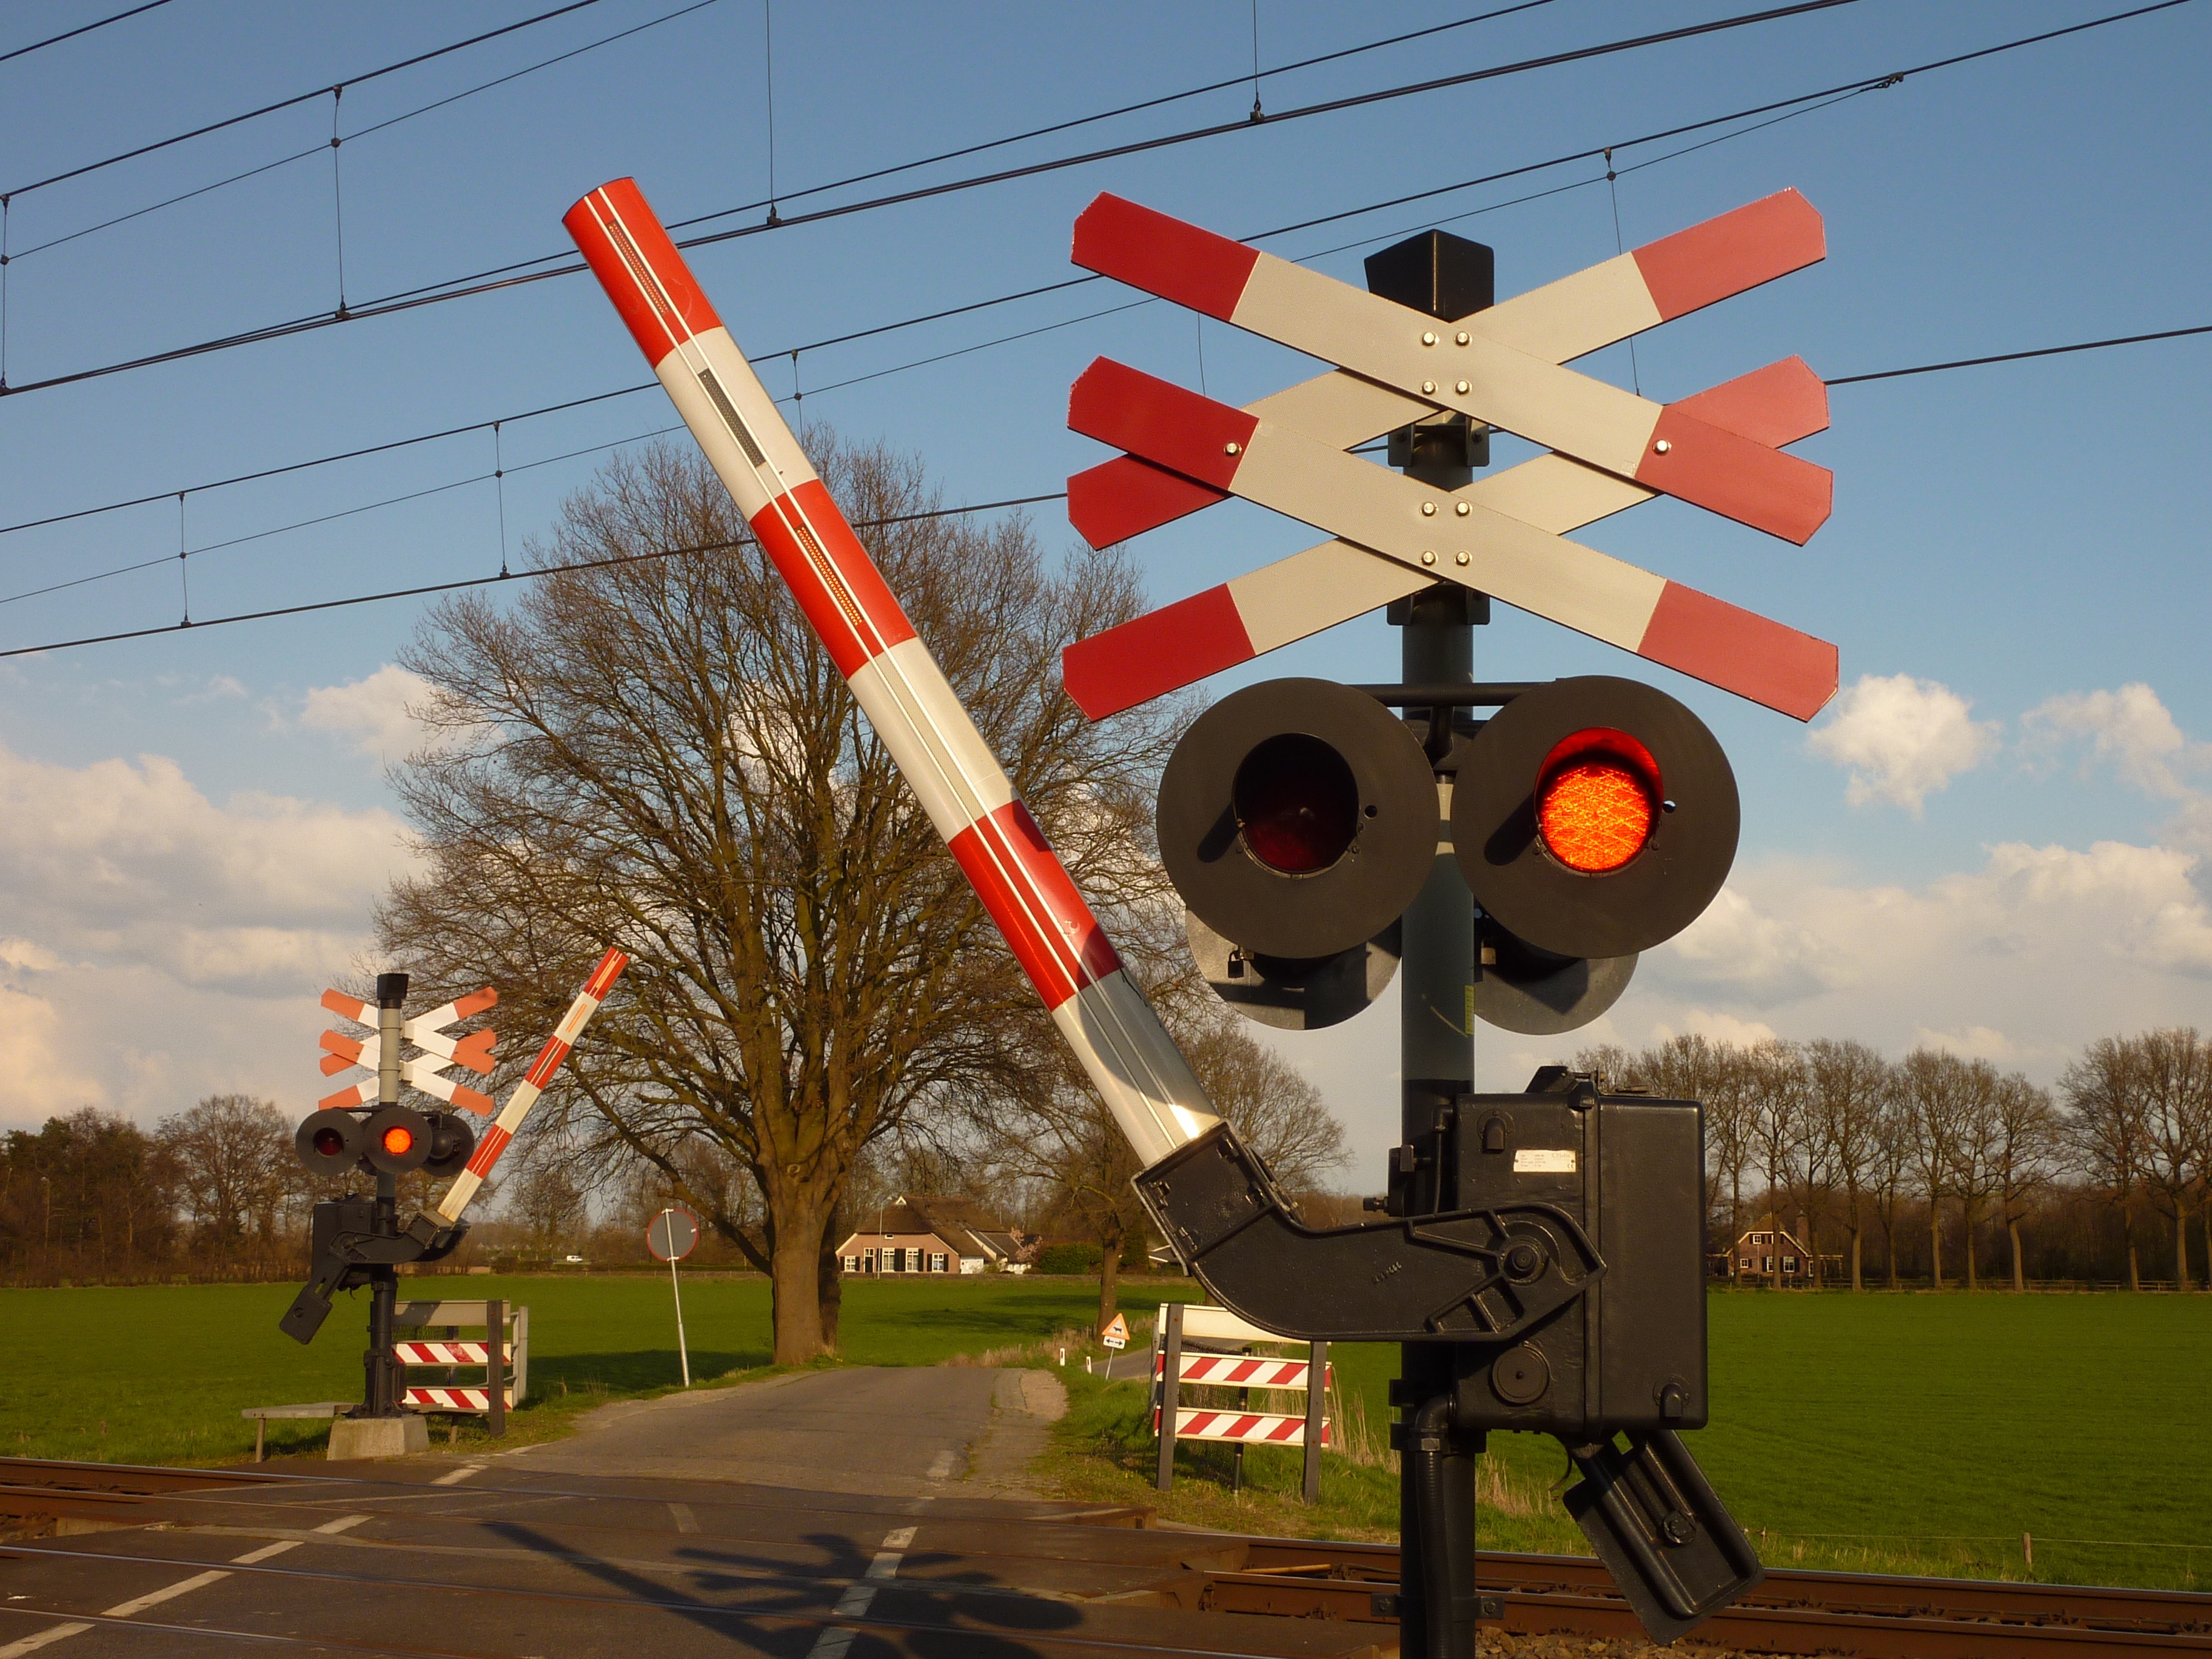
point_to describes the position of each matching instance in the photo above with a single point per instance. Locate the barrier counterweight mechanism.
(1538, 1256)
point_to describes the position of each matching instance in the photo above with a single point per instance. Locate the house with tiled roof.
(927, 1235)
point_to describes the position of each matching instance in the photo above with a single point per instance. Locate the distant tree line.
(1936, 1168)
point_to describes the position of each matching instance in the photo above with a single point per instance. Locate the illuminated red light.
(1597, 800)
(399, 1140)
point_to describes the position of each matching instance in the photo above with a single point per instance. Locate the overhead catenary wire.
(297, 99)
(518, 274)
(1778, 109)
(980, 507)
(318, 148)
(82, 28)
(431, 588)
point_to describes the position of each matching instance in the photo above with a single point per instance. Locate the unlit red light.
(399, 1140)
(329, 1142)
(1595, 813)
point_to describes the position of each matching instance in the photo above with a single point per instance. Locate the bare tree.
(2105, 1129)
(1933, 1087)
(2027, 1135)
(1780, 1091)
(2174, 1069)
(1976, 1140)
(1894, 1144)
(1849, 1084)
(655, 753)
(230, 1153)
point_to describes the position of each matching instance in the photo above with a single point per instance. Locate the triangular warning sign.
(1116, 1333)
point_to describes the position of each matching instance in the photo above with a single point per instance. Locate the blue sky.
(198, 821)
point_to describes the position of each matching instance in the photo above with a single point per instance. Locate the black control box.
(1628, 1172)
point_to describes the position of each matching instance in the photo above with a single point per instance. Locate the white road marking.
(685, 1521)
(138, 1604)
(38, 1639)
(454, 1477)
(941, 1467)
(859, 1598)
(154, 1598)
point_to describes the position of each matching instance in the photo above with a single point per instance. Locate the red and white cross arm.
(1597, 306)
(1449, 537)
(1460, 366)
(1148, 1085)
(1181, 643)
(533, 1083)
(418, 1073)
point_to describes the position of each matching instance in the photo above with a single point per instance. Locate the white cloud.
(158, 938)
(1760, 956)
(1724, 1028)
(1975, 1042)
(1902, 738)
(373, 713)
(2131, 729)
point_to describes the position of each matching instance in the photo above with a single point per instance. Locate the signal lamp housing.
(328, 1141)
(1595, 818)
(453, 1143)
(1297, 818)
(398, 1139)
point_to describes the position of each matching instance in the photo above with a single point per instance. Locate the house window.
(868, 1262)
(937, 1262)
(850, 1264)
(1747, 1264)
(1788, 1264)
(1766, 1264)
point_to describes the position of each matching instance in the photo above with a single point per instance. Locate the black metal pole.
(382, 1370)
(1171, 1389)
(1448, 278)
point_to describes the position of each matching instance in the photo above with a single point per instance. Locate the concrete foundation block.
(379, 1437)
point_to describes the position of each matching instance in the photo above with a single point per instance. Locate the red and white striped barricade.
(1504, 534)
(1175, 1368)
(428, 1337)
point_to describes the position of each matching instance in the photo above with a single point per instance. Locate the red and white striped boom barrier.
(533, 1084)
(1119, 1039)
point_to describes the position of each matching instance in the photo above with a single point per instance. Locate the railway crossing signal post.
(1448, 278)
(1542, 1254)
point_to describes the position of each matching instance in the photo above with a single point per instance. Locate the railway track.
(488, 1560)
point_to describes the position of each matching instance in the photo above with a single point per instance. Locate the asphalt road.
(906, 1431)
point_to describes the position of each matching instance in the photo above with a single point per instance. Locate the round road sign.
(672, 1234)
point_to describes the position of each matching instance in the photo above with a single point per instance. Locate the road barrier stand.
(428, 1334)
(1227, 1362)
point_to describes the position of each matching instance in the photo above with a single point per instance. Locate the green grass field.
(158, 1373)
(1901, 1433)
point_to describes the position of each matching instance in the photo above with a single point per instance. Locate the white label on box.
(1544, 1160)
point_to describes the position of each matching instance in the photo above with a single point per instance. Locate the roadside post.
(671, 1236)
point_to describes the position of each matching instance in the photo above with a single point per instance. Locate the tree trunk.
(1109, 1274)
(1812, 1247)
(795, 1281)
(2180, 1247)
(1859, 1276)
(1936, 1243)
(1966, 1225)
(2019, 1274)
(830, 1283)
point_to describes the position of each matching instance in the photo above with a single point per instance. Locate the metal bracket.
(1464, 1276)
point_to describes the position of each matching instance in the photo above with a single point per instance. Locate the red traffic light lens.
(399, 1140)
(1597, 799)
(1296, 803)
(329, 1142)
